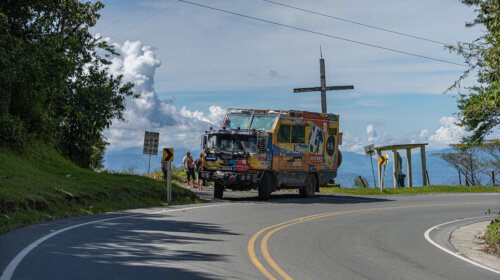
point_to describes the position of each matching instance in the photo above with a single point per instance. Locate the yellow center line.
(274, 228)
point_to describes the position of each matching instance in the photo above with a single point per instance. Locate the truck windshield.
(263, 122)
(232, 143)
(237, 121)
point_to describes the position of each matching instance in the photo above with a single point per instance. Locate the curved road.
(328, 237)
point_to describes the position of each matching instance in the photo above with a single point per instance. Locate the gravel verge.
(468, 240)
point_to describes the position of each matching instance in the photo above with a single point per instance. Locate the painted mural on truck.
(317, 148)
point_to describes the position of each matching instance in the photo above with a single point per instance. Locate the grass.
(178, 175)
(44, 186)
(413, 190)
(492, 236)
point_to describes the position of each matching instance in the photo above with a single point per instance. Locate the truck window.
(298, 134)
(263, 123)
(235, 121)
(284, 134)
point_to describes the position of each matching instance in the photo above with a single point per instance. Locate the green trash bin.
(401, 180)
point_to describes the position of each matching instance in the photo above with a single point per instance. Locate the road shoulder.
(467, 240)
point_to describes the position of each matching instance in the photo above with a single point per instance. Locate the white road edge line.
(458, 255)
(11, 267)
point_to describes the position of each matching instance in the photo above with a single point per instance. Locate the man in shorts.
(188, 164)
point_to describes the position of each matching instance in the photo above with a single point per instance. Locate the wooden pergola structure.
(408, 148)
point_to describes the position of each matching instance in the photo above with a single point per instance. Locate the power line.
(144, 20)
(322, 34)
(355, 22)
(121, 18)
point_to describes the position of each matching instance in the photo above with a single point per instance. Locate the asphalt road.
(328, 237)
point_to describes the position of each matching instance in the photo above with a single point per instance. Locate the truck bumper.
(229, 177)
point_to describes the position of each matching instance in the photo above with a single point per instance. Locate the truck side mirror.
(204, 142)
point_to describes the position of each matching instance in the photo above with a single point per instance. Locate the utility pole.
(323, 87)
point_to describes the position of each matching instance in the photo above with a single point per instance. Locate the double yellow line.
(269, 231)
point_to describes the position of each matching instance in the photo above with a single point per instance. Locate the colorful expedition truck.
(270, 150)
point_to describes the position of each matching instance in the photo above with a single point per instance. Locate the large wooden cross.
(323, 87)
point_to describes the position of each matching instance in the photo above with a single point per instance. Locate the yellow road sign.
(168, 154)
(382, 160)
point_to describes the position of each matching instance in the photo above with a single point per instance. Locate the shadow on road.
(318, 199)
(134, 248)
(284, 197)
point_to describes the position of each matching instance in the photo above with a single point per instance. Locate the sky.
(191, 63)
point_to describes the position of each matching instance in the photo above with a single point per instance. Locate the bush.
(360, 182)
(492, 237)
(12, 132)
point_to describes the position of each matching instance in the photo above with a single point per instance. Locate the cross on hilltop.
(323, 87)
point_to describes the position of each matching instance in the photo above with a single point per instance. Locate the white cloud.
(447, 133)
(370, 131)
(178, 129)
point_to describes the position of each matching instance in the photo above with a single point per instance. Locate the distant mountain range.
(353, 165)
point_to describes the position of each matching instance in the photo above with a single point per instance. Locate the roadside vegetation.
(44, 186)
(492, 237)
(413, 190)
(178, 175)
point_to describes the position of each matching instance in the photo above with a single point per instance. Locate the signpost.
(382, 160)
(168, 156)
(369, 152)
(151, 140)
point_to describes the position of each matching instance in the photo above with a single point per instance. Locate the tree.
(54, 84)
(491, 159)
(472, 161)
(360, 182)
(97, 99)
(480, 107)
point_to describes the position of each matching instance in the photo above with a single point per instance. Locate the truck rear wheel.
(218, 190)
(265, 187)
(310, 187)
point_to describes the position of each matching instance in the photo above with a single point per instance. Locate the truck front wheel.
(218, 190)
(310, 187)
(265, 187)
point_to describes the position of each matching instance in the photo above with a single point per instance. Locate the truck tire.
(310, 187)
(218, 190)
(265, 187)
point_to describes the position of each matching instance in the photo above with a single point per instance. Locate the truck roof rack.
(282, 113)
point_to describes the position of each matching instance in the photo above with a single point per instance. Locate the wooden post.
(394, 164)
(323, 86)
(424, 168)
(408, 168)
(169, 182)
(493, 178)
(379, 168)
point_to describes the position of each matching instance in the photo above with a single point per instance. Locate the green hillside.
(45, 186)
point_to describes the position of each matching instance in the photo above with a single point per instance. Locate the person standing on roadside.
(199, 162)
(164, 170)
(188, 164)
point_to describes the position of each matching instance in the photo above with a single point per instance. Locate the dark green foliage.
(97, 99)
(54, 85)
(480, 106)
